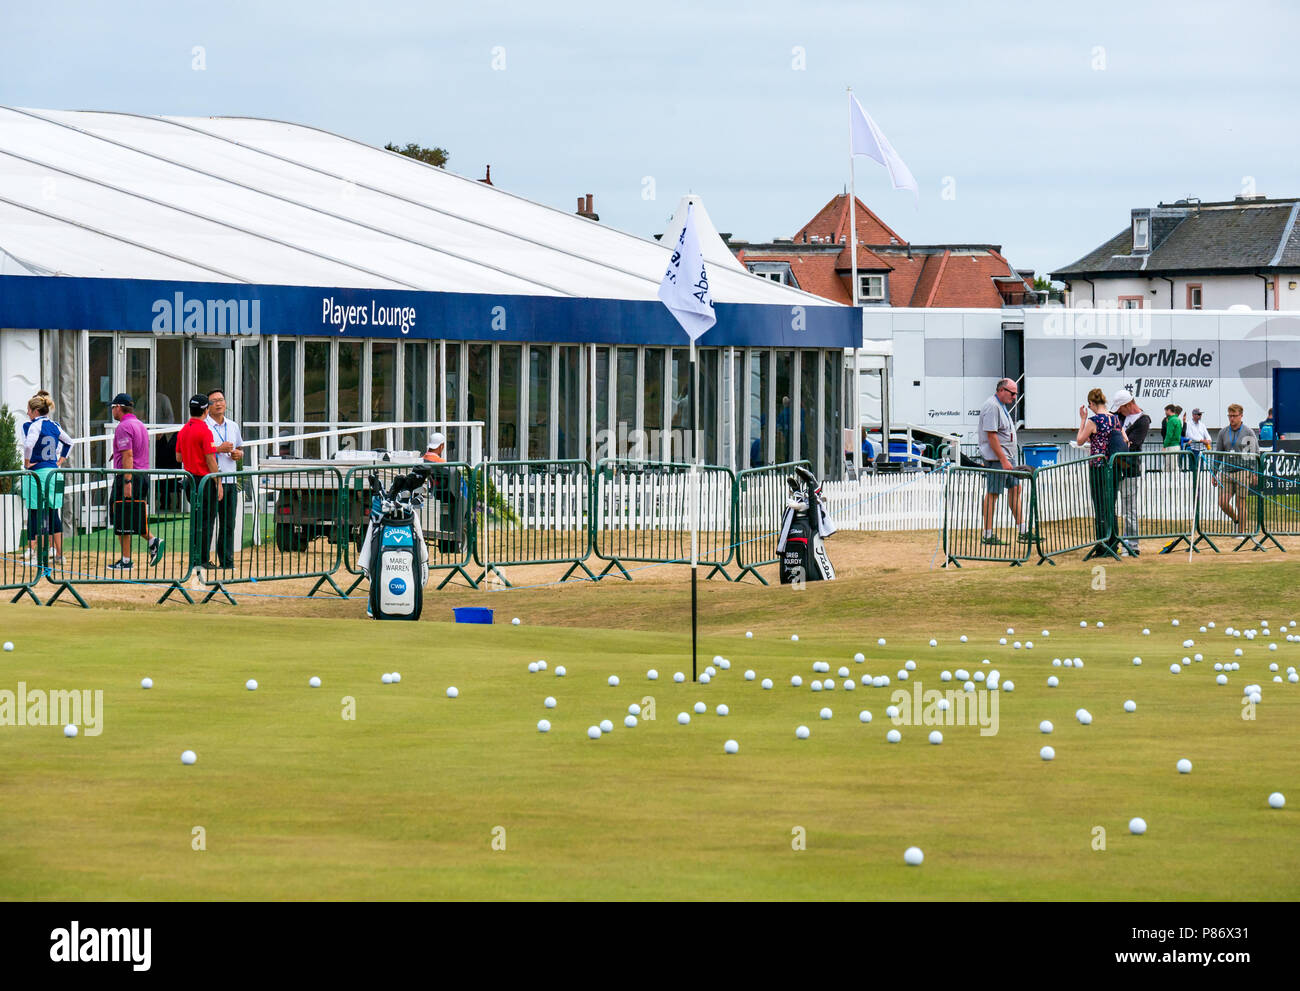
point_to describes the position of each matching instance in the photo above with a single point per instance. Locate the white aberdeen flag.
(685, 286)
(866, 138)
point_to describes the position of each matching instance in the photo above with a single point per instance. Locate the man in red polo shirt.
(198, 456)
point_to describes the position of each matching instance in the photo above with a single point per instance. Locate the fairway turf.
(402, 801)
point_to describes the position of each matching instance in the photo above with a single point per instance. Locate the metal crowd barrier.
(1153, 501)
(444, 517)
(285, 525)
(642, 512)
(98, 520)
(761, 495)
(1073, 509)
(1279, 496)
(1228, 504)
(533, 512)
(23, 512)
(970, 494)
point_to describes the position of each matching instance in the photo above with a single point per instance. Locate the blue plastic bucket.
(1041, 455)
(472, 614)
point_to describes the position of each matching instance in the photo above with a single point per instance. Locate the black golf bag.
(394, 556)
(806, 524)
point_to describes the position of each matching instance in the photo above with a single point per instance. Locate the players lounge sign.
(1096, 358)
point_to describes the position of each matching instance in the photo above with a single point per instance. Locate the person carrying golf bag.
(394, 556)
(804, 527)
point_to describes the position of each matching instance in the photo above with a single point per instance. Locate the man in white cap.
(1128, 472)
(1198, 435)
(437, 449)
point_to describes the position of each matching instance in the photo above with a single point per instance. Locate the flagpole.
(695, 513)
(853, 219)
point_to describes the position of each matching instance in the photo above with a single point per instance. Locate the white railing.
(901, 501)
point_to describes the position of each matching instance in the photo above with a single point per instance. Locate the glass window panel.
(737, 410)
(625, 397)
(457, 442)
(286, 386)
(383, 393)
(680, 405)
(707, 360)
(569, 403)
(349, 385)
(210, 369)
(807, 415)
(832, 433)
(508, 409)
(784, 413)
(760, 394)
(315, 392)
(137, 382)
(415, 395)
(100, 355)
(653, 412)
(539, 403)
(605, 436)
(482, 391)
(169, 403)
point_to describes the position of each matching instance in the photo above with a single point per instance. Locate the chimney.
(487, 178)
(586, 209)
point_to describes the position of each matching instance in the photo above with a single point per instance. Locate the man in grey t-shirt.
(997, 437)
(1239, 445)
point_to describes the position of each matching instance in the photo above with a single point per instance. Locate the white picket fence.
(904, 501)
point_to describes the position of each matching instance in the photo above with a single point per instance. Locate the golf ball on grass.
(731, 747)
(549, 702)
(1047, 753)
(850, 686)
(858, 658)
(749, 634)
(593, 733)
(1084, 717)
(146, 683)
(679, 677)
(816, 685)
(9, 645)
(1053, 681)
(629, 721)
(560, 672)
(942, 705)
(913, 856)
(251, 685)
(843, 672)
(1175, 668)
(70, 730)
(934, 643)
(700, 708)
(891, 712)
(825, 713)
(864, 716)
(1184, 766)
(711, 671)
(1137, 662)
(802, 732)
(796, 681)
(515, 621)
(1137, 826)
(1146, 632)
(613, 681)
(722, 710)
(651, 675)
(541, 666)
(543, 725)
(1008, 686)
(936, 737)
(314, 682)
(396, 677)
(453, 692)
(387, 679)
(1130, 706)
(532, 667)
(794, 637)
(750, 676)
(968, 686)
(683, 718)
(1276, 800)
(1045, 726)
(189, 757)
(893, 736)
(963, 638)
(880, 642)
(945, 676)
(606, 726)
(1221, 679)
(767, 683)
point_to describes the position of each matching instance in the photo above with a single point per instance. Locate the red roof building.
(891, 272)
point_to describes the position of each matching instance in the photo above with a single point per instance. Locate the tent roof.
(235, 199)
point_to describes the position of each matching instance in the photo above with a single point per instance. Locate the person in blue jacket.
(45, 447)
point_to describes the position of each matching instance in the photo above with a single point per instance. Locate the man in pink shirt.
(129, 501)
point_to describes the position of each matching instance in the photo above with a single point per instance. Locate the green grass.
(401, 802)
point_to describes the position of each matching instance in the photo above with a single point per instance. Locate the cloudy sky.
(1028, 125)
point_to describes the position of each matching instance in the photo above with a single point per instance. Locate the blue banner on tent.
(223, 309)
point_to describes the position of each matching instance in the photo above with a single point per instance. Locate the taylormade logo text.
(1097, 358)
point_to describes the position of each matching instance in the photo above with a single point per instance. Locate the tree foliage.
(430, 156)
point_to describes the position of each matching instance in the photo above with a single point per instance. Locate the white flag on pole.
(868, 139)
(685, 286)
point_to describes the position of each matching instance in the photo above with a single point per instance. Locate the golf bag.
(806, 524)
(394, 556)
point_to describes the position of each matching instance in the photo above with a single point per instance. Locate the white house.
(1190, 255)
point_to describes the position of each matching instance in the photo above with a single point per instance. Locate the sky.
(1034, 126)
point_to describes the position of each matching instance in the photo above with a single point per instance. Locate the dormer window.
(1141, 234)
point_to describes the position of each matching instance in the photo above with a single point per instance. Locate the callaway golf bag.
(393, 555)
(806, 524)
